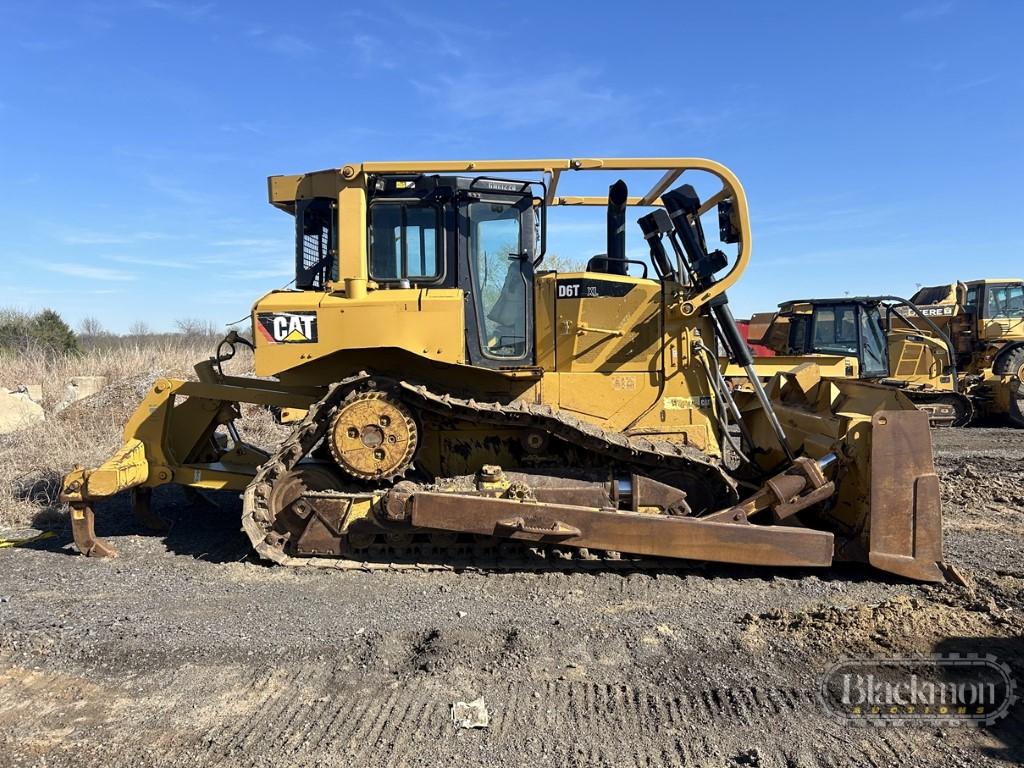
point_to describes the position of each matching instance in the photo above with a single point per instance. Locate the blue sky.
(879, 142)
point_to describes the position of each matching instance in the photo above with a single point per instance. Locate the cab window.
(835, 330)
(971, 304)
(798, 333)
(499, 277)
(1004, 301)
(405, 243)
(315, 247)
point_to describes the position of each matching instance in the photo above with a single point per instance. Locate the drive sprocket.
(373, 436)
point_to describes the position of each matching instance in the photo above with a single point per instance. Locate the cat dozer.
(457, 405)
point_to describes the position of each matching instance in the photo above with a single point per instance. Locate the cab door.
(497, 246)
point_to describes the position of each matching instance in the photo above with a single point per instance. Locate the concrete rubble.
(81, 387)
(18, 411)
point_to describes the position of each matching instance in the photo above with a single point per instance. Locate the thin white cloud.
(243, 127)
(448, 37)
(820, 220)
(187, 11)
(567, 98)
(94, 237)
(255, 244)
(87, 272)
(290, 45)
(259, 274)
(975, 83)
(77, 291)
(177, 192)
(693, 121)
(145, 261)
(44, 46)
(928, 11)
(372, 52)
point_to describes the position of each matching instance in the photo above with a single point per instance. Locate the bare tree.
(91, 326)
(561, 264)
(194, 326)
(139, 328)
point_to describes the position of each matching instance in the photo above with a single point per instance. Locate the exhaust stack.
(618, 193)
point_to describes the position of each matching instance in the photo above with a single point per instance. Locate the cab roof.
(285, 190)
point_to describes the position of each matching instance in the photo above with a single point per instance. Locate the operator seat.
(509, 311)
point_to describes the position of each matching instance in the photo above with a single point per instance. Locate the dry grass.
(32, 461)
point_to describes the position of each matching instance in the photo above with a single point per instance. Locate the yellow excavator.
(465, 407)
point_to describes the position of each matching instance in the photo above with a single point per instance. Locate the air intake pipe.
(655, 225)
(618, 193)
(683, 206)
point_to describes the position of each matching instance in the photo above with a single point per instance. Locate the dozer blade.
(733, 541)
(886, 509)
(906, 512)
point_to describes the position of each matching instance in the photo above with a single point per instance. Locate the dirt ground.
(183, 651)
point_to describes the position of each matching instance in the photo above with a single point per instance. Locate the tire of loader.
(1016, 412)
(1014, 366)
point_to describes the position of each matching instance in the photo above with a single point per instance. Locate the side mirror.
(728, 223)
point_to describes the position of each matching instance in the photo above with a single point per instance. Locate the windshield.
(499, 279)
(835, 330)
(875, 360)
(1004, 301)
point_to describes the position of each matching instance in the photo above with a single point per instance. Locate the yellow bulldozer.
(883, 339)
(465, 407)
(956, 351)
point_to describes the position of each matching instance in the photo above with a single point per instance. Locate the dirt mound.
(902, 624)
(115, 401)
(980, 481)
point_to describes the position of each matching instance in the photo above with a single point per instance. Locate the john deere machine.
(985, 321)
(465, 407)
(884, 339)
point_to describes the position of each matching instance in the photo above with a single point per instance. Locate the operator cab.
(485, 236)
(991, 300)
(840, 327)
(481, 235)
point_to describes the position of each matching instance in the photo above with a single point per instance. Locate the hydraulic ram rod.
(739, 353)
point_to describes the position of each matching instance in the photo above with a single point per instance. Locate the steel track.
(257, 516)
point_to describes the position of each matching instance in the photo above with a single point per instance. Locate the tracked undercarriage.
(294, 512)
(944, 409)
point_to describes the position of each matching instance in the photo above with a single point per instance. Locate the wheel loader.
(463, 407)
(985, 321)
(884, 339)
